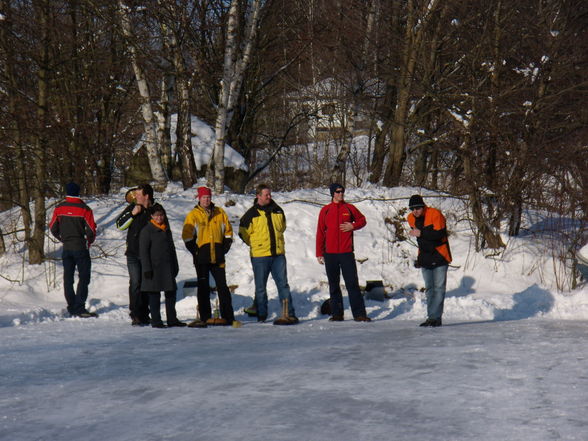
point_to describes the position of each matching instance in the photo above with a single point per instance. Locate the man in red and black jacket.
(334, 249)
(73, 224)
(428, 226)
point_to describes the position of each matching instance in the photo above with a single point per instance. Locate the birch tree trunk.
(163, 116)
(164, 123)
(234, 68)
(153, 154)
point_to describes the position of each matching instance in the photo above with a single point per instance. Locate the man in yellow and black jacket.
(262, 229)
(208, 236)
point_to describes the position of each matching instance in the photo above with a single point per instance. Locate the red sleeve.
(320, 233)
(91, 226)
(54, 224)
(359, 220)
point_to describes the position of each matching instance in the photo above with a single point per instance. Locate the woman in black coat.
(159, 263)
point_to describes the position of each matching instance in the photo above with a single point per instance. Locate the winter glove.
(227, 242)
(192, 247)
(148, 275)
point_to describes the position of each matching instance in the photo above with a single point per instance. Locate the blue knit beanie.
(72, 189)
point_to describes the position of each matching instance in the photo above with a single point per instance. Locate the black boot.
(433, 323)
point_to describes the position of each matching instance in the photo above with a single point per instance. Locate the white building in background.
(329, 104)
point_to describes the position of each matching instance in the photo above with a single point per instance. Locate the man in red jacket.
(334, 249)
(73, 224)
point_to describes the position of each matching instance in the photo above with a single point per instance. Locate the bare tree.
(361, 78)
(153, 153)
(17, 139)
(235, 64)
(175, 24)
(37, 240)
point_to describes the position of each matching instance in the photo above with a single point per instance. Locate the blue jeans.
(262, 267)
(335, 265)
(76, 300)
(435, 283)
(138, 300)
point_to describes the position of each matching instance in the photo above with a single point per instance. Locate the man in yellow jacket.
(262, 229)
(208, 236)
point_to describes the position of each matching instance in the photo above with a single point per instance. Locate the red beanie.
(204, 191)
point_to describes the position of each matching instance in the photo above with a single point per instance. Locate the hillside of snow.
(516, 284)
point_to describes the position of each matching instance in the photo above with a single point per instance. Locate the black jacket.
(73, 224)
(133, 225)
(158, 255)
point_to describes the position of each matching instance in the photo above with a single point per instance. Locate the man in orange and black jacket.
(428, 226)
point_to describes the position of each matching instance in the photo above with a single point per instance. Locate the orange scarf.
(161, 227)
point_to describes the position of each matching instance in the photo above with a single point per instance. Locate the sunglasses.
(339, 191)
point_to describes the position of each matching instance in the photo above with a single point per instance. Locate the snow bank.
(513, 286)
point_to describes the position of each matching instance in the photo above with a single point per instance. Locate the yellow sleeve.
(244, 234)
(189, 226)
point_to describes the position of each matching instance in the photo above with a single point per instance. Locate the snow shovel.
(285, 319)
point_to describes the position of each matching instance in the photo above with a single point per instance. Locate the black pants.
(138, 300)
(224, 295)
(76, 299)
(170, 307)
(335, 265)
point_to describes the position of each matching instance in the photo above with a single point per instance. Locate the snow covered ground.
(508, 364)
(389, 380)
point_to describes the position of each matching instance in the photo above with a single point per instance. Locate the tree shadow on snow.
(391, 309)
(529, 303)
(399, 302)
(464, 289)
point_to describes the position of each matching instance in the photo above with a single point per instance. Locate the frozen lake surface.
(102, 380)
